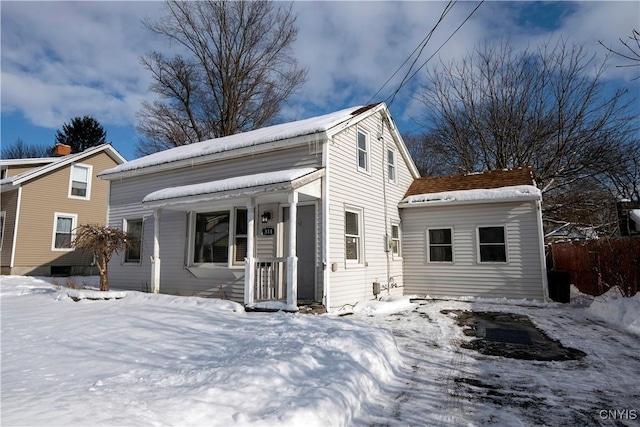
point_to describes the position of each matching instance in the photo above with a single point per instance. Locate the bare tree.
(102, 242)
(631, 52)
(20, 150)
(546, 108)
(234, 70)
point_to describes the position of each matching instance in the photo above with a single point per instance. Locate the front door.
(306, 249)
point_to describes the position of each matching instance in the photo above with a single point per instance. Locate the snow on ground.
(162, 360)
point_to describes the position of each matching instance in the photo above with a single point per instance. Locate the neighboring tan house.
(302, 211)
(478, 234)
(41, 203)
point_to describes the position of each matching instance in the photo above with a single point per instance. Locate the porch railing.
(270, 279)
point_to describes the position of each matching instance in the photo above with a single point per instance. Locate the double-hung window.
(440, 245)
(80, 182)
(133, 228)
(492, 246)
(240, 237)
(354, 247)
(395, 240)
(391, 165)
(363, 151)
(63, 228)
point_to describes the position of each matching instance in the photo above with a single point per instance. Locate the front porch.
(250, 226)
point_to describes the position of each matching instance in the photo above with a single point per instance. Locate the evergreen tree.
(81, 133)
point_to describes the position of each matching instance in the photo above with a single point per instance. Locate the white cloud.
(62, 59)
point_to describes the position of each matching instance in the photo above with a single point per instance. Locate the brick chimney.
(61, 150)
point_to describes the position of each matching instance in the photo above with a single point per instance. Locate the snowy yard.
(163, 360)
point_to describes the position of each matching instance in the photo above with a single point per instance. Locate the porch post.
(249, 270)
(155, 260)
(292, 260)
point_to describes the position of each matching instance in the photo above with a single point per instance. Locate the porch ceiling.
(264, 185)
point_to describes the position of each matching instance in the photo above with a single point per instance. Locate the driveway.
(448, 385)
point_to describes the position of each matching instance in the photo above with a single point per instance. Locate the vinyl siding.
(519, 278)
(47, 194)
(8, 204)
(127, 194)
(350, 187)
(17, 170)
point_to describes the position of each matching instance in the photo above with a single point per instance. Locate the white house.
(478, 234)
(303, 211)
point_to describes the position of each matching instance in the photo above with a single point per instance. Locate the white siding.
(125, 202)
(350, 187)
(521, 277)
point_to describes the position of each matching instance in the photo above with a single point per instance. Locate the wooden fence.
(596, 266)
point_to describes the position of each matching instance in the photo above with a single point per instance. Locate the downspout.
(325, 226)
(384, 198)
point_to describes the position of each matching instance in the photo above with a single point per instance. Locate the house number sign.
(268, 231)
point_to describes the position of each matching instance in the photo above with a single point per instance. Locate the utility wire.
(420, 46)
(392, 97)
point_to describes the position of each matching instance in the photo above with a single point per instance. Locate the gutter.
(404, 205)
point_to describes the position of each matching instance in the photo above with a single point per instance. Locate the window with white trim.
(63, 229)
(220, 239)
(211, 238)
(80, 182)
(133, 228)
(440, 245)
(363, 151)
(3, 214)
(240, 236)
(492, 246)
(395, 240)
(353, 235)
(391, 165)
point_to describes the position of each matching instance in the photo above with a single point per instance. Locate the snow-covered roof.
(518, 192)
(497, 178)
(29, 161)
(233, 187)
(58, 163)
(256, 137)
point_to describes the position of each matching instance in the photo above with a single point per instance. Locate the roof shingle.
(473, 181)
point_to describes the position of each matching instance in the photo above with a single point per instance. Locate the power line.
(420, 46)
(391, 97)
(437, 50)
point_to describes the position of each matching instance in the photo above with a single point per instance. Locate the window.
(2, 216)
(363, 151)
(240, 237)
(63, 227)
(353, 235)
(211, 238)
(440, 245)
(133, 227)
(216, 237)
(391, 165)
(395, 240)
(80, 185)
(491, 244)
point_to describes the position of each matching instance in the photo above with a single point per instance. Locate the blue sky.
(60, 60)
